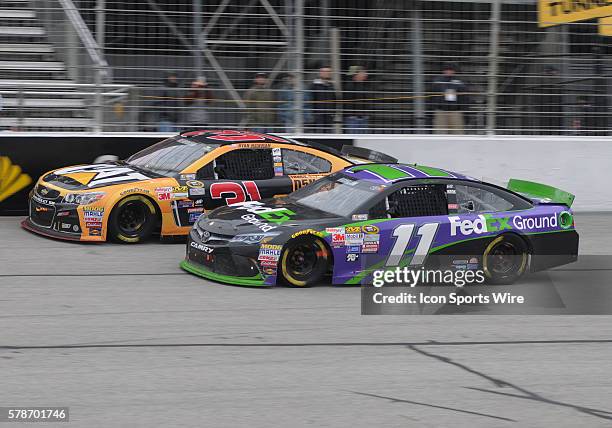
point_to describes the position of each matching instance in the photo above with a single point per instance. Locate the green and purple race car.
(344, 227)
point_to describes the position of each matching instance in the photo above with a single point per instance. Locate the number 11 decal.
(403, 233)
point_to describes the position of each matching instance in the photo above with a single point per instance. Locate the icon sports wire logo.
(12, 180)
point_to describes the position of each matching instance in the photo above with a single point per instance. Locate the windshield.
(336, 194)
(171, 156)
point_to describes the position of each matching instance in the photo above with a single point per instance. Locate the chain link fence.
(301, 66)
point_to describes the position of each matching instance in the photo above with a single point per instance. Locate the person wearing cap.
(356, 92)
(322, 97)
(449, 102)
(260, 105)
(198, 103)
(168, 104)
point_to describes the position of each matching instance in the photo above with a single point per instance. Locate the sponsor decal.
(193, 217)
(42, 201)
(42, 209)
(167, 196)
(353, 249)
(370, 229)
(93, 224)
(307, 232)
(278, 171)
(269, 254)
(194, 183)
(263, 226)
(371, 238)
(101, 174)
(276, 151)
(352, 257)
(201, 247)
(195, 191)
(12, 180)
(300, 180)
(63, 213)
(184, 204)
(337, 235)
(277, 159)
(359, 217)
(195, 210)
(485, 223)
(353, 239)
(273, 215)
(453, 206)
(66, 225)
(269, 270)
(199, 202)
(369, 247)
(185, 177)
(133, 190)
(94, 231)
(278, 164)
(352, 229)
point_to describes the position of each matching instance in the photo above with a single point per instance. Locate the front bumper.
(59, 220)
(224, 262)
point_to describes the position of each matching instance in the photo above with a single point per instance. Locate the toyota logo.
(205, 236)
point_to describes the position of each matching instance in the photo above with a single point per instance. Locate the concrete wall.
(580, 165)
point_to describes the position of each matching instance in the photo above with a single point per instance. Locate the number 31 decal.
(403, 234)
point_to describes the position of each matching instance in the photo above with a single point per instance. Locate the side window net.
(417, 201)
(245, 164)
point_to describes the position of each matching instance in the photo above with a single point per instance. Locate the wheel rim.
(504, 259)
(132, 217)
(302, 260)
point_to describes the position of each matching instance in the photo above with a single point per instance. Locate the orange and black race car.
(166, 187)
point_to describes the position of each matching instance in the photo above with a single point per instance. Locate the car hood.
(270, 215)
(85, 177)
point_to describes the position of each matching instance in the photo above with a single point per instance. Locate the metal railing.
(509, 75)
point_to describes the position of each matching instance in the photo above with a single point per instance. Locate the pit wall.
(580, 165)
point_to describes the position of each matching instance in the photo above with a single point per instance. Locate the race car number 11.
(403, 234)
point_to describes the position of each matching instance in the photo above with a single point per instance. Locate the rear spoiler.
(367, 154)
(547, 194)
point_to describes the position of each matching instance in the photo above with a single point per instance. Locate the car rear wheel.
(505, 259)
(132, 220)
(304, 261)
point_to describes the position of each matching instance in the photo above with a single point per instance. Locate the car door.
(413, 220)
(238, 175)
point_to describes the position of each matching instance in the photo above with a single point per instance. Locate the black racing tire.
(505, 259)
(304, 261)
(132, 220)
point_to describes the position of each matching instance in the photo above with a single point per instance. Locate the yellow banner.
(605, 26)
(564, 11)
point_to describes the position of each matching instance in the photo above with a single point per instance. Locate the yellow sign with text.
(605, 26)
(565, 11)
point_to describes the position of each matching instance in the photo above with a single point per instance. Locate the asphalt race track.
(125, 338)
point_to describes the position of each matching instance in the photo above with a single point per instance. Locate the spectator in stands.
(260, 105)
(322, 96)
(450, 100)
(198, 102)
(168, 104)
(286, 105)
(584, 117)
(357, 90)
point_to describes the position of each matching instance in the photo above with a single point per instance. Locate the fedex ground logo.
(485, 223)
